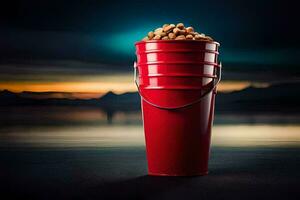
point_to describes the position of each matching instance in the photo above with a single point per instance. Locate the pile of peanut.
(176, 32)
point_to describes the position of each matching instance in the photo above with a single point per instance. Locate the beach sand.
(121, 173)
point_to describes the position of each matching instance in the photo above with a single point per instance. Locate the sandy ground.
(121, 173)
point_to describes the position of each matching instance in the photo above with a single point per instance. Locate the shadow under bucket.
(177, 83)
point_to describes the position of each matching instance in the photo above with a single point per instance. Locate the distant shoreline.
(277, 98)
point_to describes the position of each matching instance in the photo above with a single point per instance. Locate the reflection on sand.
(57, 126)
(132, 135)
(256, 135)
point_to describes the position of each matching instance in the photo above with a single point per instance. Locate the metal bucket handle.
(215, 81)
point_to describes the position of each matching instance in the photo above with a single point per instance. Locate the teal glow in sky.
(123, 41)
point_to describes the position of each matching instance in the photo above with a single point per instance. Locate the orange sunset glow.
(89, 87)
(93, 89)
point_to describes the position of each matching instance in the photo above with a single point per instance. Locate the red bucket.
(177, 82)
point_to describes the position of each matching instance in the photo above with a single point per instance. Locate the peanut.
(156, 37)
(163, 34)
(183, 32)
(199, 36)
(165, 25)
(189, 37)
(165, 38)
(158, 31)
(172, 35)
(176, 31)
(169, 28)
(189, 29)
(150, 35)
(180, 37)
(180, 25)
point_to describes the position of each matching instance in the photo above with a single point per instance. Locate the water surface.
(92, 127)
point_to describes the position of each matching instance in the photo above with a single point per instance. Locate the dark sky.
(35, 34)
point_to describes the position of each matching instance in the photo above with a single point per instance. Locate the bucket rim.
(176, 41)
(177, 75)
(175, 51)
(177, 63)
